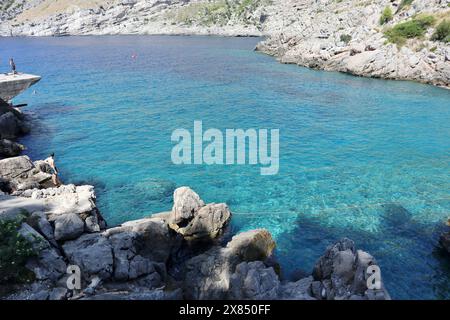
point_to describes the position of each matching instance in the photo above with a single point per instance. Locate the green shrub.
(346, 38)
(386, 15)
(404, 4)
(15, 250)
(442, 32)
(413, 28)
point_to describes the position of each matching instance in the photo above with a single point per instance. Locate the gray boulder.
(252, 245)
(299, 290)
(21, 173)
(149, 237)
(38, 221)
(10, 148)
(254, 281)
(47, 264)
(14, 167)
(92, 253)
(186, 203)
(68, 226)
(207, 223)
(208, 275)
(128, 263)
(11, 126)
(342, 273)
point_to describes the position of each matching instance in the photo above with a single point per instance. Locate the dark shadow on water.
(412, 264)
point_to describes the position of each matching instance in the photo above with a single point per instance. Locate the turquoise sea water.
(363, 158)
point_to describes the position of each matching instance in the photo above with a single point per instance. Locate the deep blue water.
(363, 158)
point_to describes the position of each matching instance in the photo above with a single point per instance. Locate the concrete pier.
(12, 85)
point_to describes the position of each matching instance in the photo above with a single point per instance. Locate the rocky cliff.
(46, 232)
(171, 255)
(361, 37)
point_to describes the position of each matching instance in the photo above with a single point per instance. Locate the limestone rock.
(21, 173)
(68, 226)
(11, 126)
(92, 253)
(186, 204)
(254, 281)
(38, 221)
(149, 237)
(13, 167)
(48, 264)
(252, 245)
(156, 294)
(207, 223)
(208, 274)
(10, 148)
(128, 263)
(299, 290)
(342, 273)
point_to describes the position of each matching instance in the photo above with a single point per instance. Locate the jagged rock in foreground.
(193, 219)
(131, 261)
(21, 174)
(10, 148)
(208, 275)
(12, 122)
(341, 274)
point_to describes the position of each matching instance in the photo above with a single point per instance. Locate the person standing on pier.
(13, 66)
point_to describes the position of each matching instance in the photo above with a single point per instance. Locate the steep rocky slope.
(361, 37)
(350, 36)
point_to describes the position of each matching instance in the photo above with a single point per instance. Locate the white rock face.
(313, 38)
(186, 204)
(305, 32)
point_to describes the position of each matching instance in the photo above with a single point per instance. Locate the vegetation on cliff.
(442, 32)
(218, 12)
(414, 28)
(15, 250)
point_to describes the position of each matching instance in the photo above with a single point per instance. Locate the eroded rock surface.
(131, 261)
(343, 36)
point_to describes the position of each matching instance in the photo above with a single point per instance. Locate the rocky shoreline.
(343, 36)
(186, 253)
